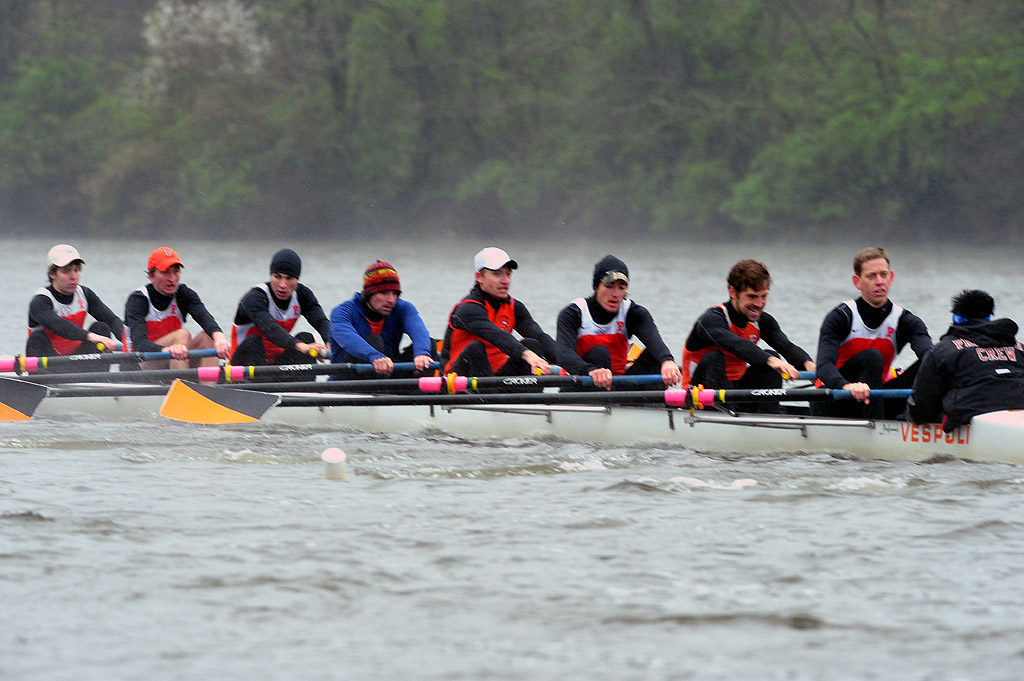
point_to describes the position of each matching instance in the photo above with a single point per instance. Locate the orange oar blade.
(196, 403)
(19, 399)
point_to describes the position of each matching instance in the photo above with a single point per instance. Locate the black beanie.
(609, 263)
(286, 261)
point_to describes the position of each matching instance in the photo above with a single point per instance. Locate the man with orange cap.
(57, 313)
(155, 315)
(368, 328)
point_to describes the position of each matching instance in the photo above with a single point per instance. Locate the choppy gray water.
(162, 550)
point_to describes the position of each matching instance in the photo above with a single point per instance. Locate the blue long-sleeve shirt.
(350, 328)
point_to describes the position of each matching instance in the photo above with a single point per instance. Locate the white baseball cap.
(492, 258)
(61, 255)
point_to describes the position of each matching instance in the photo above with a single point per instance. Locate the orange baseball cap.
(163, 259)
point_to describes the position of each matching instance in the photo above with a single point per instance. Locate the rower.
(859, 339)
(267, 313)
(57, 313)
(369, 327)
(479, 340)
(155, 316)
(976, 367)
(722, 349)
(593, 333)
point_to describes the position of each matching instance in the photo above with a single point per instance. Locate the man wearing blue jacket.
(369, 327)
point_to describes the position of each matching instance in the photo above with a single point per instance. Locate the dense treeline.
(345, 116)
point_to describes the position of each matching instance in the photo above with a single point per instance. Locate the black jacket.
(976, 367)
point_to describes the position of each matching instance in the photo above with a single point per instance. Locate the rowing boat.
(995, 437)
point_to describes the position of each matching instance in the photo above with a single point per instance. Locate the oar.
(20, 399)
(197, 403)
(26, 364)
(194, 403)
(191, 402)
(447, 384)
(702, 397)
(673, 397)
(12, 391)
(227, 373)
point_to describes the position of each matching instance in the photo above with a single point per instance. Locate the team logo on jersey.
(621, 325)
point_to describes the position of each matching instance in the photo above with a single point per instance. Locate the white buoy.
(334, 464)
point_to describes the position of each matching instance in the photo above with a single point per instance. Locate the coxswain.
(369, 327)
(593, 334)
(57, 313)
(976, 367)
(155, 316)
(859, 339)
(722, 349)
(267, 314)
(479, 340)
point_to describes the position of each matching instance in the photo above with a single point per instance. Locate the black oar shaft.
(227, 373)
(28, 364)
(596, 397)
(671, 398)
(707, 396)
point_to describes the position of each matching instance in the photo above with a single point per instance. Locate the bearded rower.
(722, 349)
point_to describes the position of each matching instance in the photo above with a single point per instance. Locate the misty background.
(471, 118)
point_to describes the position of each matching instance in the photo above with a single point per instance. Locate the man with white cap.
(479, 339)
(155, 314)
(593, 333)
(57, 313)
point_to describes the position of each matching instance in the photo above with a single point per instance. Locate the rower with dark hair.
(267, 313)
(57, 313)
(976, 367)
(593, 333)
(722, 349)
(859, 339)
(369, 327)
(479, 339)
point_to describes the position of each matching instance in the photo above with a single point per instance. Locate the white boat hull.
(996, 437)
